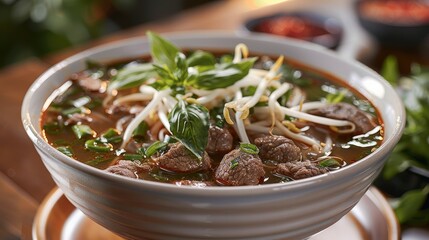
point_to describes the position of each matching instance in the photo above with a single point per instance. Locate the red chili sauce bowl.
(306, 26)
(399, 23)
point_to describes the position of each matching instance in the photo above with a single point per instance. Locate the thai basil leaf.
(223, 75)
(189, 124)
(132, 76)
(162, 51)
(172, 78)
(201, 58)
(180, 73)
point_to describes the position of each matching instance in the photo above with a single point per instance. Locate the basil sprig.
(132, 75)
(222, 75)
(162, 51)
(189, 124)
(174, 68)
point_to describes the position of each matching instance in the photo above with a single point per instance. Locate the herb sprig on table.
(412, 149)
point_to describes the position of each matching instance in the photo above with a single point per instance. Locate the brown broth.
(314, 80)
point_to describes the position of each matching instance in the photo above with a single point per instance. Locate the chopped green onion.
(52, 127)
(66, 150)
(141, 131)
(71, 111)
(249, 148)
(154, 148)
(97, 146)
(133, 157)
(111, 132)
(330, 163)
(83, 130)
(234, 163)
(111, 136)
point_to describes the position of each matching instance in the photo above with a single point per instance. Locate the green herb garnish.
(98, 146)
(249, 148)
(132, 157)
(81, 131)
(330, 163)
(71, 111)
(52, 128)
(140, 133)
(234, 163)
(111, 135)
(189, 124)
(66, 150)
(154, 148)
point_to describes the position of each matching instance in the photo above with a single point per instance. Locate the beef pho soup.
(204, 118)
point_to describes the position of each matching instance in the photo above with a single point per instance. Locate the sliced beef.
(344, 111)
(238, 168)
(194, 183)
(299, 170)
(278, 148)
(128, 168)
(220, 140)
(179, 159)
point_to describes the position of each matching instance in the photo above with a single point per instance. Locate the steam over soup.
(205, 119)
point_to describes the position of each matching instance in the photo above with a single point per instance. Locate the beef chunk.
(128, 168)
(278, 148)
(179, 159)
(194, 183)
(299, 170)
(238, 168)
(344, 111)
(220, 140)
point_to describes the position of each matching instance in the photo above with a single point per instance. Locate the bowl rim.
(307, 184)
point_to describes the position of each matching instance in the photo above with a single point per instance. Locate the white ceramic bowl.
(149, 210)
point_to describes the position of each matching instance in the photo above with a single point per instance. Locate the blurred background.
(38, 27)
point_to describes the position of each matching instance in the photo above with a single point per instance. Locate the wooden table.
(24, 181)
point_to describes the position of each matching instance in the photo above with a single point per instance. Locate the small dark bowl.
(331, 39)
(394, 33)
